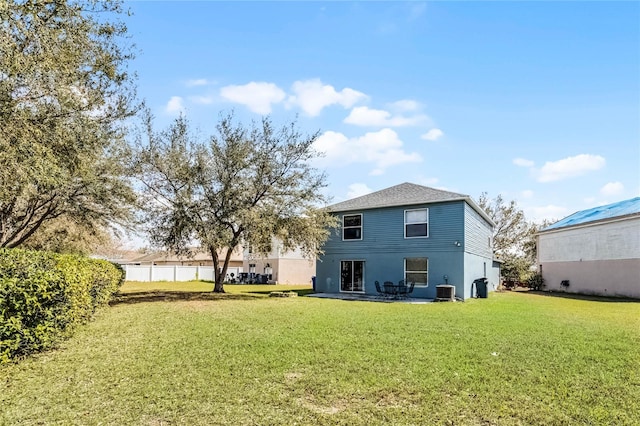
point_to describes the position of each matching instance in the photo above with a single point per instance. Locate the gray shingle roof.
(405, 194)
(399, 195)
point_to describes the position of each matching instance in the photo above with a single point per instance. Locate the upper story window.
(416, 223)
(352, 227)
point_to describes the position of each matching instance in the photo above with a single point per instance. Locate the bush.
(535, 282)
(43, 296)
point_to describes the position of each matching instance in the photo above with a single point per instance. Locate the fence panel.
(138, 273)
(186, 273)
(163, 273)
(175, 273)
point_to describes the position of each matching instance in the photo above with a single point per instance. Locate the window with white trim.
(352, 227)
(416, 223)
(416, 270)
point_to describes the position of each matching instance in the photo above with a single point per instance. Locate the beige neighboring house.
(198, 259)
(594, 251)
(284, 267)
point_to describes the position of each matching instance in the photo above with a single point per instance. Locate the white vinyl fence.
(173, 273)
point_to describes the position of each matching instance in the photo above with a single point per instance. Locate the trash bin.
(313, 281)
(481, 287)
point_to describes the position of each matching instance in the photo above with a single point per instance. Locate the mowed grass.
(514, 358)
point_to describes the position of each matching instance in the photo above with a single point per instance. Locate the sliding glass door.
(352, 275)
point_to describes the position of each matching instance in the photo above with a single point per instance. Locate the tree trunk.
(218, 278)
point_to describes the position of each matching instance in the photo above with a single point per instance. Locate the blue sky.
(537, 101)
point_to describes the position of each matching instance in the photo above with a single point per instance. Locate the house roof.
(622, 208)
(405, 194)
(197, 256)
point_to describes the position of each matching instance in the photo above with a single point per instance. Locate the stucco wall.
(605, 241)
(600, 258)
(602, 277)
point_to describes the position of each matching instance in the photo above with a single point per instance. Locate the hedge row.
(43, 296)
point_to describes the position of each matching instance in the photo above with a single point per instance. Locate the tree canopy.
(245, 185)
(65, 92)
(513, 236)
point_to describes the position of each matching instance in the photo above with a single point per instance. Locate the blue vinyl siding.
(383, 248)
(477, 233)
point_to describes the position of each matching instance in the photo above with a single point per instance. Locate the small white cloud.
(197, 82)
(313, 96)
(365, 116)
(612, 189)
(405, 105)
(257, 96)
(358, 190)
(527, 194)
(548, 212)
(382, 149)
(202, 100)
(522, 162)
(428, 181)
(175, 105)
(432, 135)
(417, 10)
(570, 167)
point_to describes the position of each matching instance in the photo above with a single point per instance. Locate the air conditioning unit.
(445, 293)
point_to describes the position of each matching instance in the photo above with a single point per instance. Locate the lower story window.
(416, 270)
(352, 275)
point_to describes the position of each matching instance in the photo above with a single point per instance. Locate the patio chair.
(381, 292)
(410, 289)
(390, 289)
(402, 289)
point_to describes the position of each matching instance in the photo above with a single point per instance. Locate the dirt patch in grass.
(175, 296)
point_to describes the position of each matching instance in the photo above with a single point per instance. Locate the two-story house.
(408, 232)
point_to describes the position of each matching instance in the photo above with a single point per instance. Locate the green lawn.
(244, 358)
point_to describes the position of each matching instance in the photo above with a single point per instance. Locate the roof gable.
(399, 195)
(595, 214)
(405, 194)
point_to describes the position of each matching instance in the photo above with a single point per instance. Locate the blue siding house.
(408, 232)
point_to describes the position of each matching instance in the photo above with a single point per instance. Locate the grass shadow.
(175, 296)
(301, 292)
(579, 296)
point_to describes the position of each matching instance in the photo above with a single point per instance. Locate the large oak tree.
(65, 92)
(245, 185)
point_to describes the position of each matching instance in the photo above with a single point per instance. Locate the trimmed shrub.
(43, 296)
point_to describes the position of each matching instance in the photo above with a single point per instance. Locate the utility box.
(481, 288)
(445, 293)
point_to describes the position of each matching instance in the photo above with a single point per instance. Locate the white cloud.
(527, 194)
(612, 188)
(382, 149)
(548, 212)
(257, 96)
(417, 10)
(432, 135)
(197, 82)
(522, 162)
(405, 105)
(313, 96)
(175, 105)
(570, 167)
(202, 100)
(365, 116)
(358, 190)
(428, 181)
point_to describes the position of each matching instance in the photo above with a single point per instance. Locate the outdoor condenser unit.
(445, 293)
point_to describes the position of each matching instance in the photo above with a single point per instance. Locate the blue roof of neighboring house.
(621, 208)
